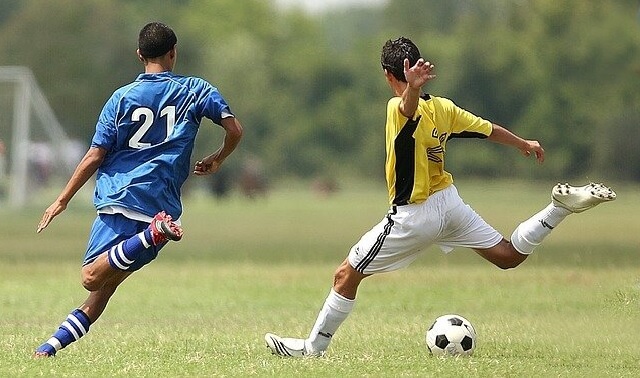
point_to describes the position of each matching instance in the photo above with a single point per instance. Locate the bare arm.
(416, 76)
(233, 133)
(526, 147)
(85, 169)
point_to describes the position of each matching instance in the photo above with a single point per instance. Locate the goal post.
(28, 98)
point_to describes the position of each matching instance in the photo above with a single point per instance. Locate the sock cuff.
(82, 317)
(146, 238)
(339, 302)
(521, 244)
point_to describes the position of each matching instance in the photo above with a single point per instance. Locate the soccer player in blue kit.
(140, 153)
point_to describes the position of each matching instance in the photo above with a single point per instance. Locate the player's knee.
(346, 280)
(340, 275)
(90, 280)
(89, 283)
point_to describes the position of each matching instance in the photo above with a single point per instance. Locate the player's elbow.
(233, 128)
(236, 131)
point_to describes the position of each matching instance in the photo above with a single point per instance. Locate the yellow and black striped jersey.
(415, 147)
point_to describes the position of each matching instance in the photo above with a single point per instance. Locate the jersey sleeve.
(212, 105)
(105, 135)
(466, 124)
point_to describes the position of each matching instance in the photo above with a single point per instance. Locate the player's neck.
(398, 87)
(155, 68)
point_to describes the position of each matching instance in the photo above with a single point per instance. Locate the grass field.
(249, 267)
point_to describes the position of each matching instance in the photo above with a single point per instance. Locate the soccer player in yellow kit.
(425, 206)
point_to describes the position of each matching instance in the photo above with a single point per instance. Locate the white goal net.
(35, 152)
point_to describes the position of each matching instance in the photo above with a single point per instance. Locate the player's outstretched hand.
(419, 74)
(51, 212)
(533, 147)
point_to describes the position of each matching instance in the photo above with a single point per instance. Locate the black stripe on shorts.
(373, 252)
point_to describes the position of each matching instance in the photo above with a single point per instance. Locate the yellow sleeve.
(465, 121)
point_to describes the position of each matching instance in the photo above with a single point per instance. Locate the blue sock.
(125, 253)
(74, 327)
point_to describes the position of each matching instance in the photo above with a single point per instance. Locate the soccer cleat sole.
(582, 198)
(168, 232)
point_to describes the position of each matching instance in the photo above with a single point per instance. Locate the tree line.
(309, 88)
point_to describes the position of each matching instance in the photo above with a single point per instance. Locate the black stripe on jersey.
(405, 149)
(468, 134)
(373, 252)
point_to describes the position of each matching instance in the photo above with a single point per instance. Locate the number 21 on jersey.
(168, 112)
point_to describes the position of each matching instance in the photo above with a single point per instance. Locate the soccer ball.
(451, 335)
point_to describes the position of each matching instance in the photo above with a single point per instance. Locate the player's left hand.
(533, 147)
(207, 166)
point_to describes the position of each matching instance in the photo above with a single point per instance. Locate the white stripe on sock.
(122, 256)
(114, 259)
(70, 328)
(144, 240)
(75, 321)
(55, 343)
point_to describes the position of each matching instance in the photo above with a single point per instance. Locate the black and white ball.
(451, 335)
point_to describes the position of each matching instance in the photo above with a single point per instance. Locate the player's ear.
(140, 58)
(388, 75)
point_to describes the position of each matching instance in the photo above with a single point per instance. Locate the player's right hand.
(533, 147)
(419, 74)
(51, 212)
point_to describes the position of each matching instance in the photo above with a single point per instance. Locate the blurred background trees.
(309, 88)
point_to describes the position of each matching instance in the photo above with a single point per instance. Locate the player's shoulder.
(194, 82)
(442, 101)
(393, 102)
(425, 100)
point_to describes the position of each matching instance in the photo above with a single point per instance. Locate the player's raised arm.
(526, 147)
(85, 169)
(416, 77)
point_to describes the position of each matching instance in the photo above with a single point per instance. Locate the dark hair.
(156, 39)
(394, 52)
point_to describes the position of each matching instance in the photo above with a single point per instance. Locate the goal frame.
(28, 97)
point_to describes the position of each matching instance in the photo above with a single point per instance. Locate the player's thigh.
(110, 229)
(396, 241)
(464, 228)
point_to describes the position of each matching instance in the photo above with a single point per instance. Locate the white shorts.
(443, 219)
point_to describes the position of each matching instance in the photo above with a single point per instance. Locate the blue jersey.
(148, 128)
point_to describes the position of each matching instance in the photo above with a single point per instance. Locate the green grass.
(250, 267)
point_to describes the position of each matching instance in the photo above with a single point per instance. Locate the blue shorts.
(109, 230)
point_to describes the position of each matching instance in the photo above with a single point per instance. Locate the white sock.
(530, 233)
(335, 310)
